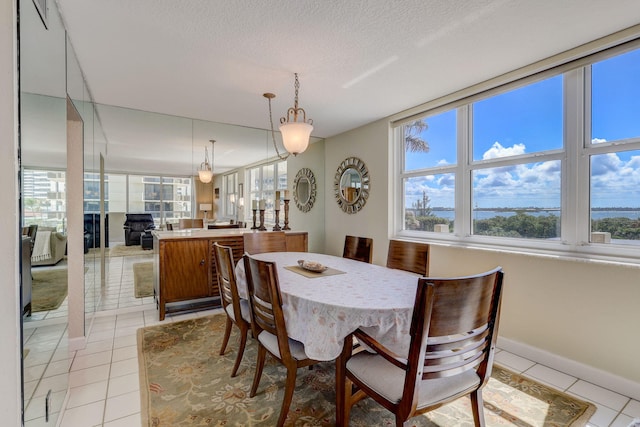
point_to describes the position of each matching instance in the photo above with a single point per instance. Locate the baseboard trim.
(584, 372)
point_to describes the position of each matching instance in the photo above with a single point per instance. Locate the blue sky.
(528, 120)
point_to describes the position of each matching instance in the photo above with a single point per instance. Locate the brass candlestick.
(254, 219)
(277, 226)
(262, 227)
(286, 215)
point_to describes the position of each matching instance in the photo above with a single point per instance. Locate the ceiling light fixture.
(205, 173)
(295, 134)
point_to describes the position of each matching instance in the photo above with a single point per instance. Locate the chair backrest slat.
(358, 248)
(272, 241)
(185, 223)
(409, 256)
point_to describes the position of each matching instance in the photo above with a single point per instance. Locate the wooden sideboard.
(184, 271)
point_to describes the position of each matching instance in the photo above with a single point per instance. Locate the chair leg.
(243, 342)
(343, 387)
(477, 408)
(227, 333)
(262, 353)
(289, 386)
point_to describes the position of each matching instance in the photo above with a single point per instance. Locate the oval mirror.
(304, 189)
(351, 185)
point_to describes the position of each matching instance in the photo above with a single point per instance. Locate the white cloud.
(497, 151)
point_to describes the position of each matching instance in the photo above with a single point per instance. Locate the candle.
(277, 205)
(286, 194)
(254, 204)
(277, 196)
(262, 204)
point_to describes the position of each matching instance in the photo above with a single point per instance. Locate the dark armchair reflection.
(135, 225)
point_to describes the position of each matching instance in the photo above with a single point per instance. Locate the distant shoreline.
(529, 209)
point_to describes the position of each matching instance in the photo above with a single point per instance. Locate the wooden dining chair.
(261, 242)
(409, 256)
(184, 223)
(269, 327)
(236, 308)
(453, 334)
(358, 248)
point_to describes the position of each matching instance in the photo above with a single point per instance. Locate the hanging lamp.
(205, 173)
(295, 132)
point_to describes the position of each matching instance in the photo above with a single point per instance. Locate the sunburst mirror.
(304, 189)
(351, 185)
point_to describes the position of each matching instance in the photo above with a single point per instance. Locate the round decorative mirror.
(304, 189)
(351, 185)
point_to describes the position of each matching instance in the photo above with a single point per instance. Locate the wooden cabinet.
(185, 274)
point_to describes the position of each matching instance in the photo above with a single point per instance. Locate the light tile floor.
(104, 384)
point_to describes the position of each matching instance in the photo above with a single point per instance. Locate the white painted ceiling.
(358, 61)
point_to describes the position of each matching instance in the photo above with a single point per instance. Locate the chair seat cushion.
(388, 380)
(244, 308)
(270, 342)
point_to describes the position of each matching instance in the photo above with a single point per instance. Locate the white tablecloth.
(321, 311)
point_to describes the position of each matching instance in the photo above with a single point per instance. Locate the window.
(44, 196)
(428, 182)
(614, 165)
(550, 163)
(165, 198)
(231, 194)
(264, 181)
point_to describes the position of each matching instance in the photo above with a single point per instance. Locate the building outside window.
(163, 197)
(44, 195)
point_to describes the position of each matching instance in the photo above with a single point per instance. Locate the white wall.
(312, 221)
(583, 311)
(10, 403)
(369, 143)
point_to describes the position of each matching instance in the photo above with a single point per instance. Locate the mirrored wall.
(133, 162)
(43, 169)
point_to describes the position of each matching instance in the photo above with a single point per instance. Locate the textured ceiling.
(358, 61)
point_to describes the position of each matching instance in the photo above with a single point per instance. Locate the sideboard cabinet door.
(186, 270)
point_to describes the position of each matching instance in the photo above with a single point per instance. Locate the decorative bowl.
(312, 266)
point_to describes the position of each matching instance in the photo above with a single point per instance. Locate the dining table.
(322, 308)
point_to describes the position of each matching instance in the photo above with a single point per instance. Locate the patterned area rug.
(183, 381)
(143, 279)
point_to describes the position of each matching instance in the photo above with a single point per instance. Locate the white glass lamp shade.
(205, 176)
(295, 136)
(205, 207)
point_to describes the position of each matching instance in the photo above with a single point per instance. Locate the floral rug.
(183, 381)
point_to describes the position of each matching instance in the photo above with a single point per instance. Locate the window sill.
(610, 254)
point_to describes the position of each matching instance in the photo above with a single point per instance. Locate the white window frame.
(251, 192)
(575, 168)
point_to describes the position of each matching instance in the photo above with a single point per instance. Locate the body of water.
(632, 214)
